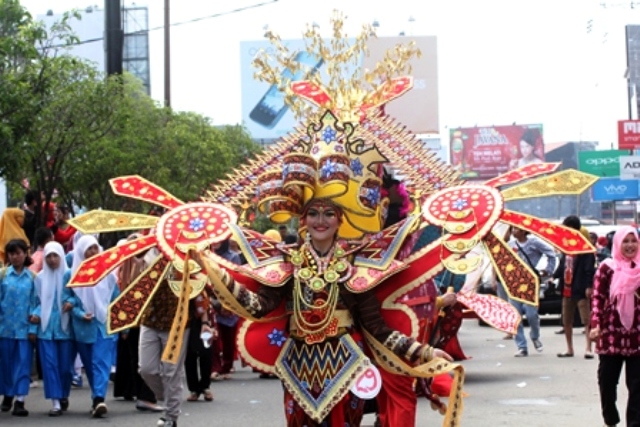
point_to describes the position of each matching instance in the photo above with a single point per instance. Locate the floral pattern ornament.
(196, 224)
(329, 135)
(277, 337)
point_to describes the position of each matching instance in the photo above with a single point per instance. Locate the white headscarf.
(48, 285)
(95, 299)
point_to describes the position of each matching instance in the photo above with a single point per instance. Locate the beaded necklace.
(318, 275)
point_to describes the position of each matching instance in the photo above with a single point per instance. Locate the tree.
(179, 151)
(66, 128)
(50, 102)
(26, 50)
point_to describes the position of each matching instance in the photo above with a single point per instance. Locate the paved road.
(540, 390)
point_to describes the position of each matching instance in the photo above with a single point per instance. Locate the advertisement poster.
(268, 117)
(629, 167)
(481, 153)
(629, 134)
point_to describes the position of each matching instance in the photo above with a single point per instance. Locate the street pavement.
(539, 390)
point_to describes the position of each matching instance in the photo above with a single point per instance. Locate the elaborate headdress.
(335, 157)
(333, 164)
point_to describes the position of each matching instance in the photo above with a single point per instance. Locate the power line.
(176, 24)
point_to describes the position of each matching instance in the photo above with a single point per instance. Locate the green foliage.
(66, 127)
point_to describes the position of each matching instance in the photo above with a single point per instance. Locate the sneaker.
(99, 411)
(521, 353)
(538, 345)
(19, 409)
(77, 381)
(163, 422)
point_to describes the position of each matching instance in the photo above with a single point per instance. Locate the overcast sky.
(499, 61)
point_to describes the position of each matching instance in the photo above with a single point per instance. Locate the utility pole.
(167, 55)
(114, 36)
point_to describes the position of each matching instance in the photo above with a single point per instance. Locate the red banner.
(628, 134)
(481, 153)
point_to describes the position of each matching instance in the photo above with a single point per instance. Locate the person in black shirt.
(29, 208)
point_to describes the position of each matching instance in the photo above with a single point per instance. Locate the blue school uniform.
(94, 344)
(57, 352)
(17, 297)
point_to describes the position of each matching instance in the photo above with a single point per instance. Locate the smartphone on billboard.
(271, 107)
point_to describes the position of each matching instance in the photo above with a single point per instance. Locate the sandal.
(208, 395)
(193, 397)
(565, 354)
(588, 355)
(215, 376)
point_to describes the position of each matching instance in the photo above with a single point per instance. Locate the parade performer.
(321, 313)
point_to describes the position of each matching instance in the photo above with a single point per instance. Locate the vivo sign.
(612, 189)
(628, 134)
(629, 167)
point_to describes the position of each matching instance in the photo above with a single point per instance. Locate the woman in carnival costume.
(313, 303)
(321, 313)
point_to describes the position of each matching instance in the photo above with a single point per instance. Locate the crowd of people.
(603, 288)
(64, 330)
(41, 317)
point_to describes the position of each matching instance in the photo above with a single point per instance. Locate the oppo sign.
(605, 163)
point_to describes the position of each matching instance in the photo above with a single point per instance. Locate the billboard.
(628, 134)
(629, 167)
(486, 152)
(266, 116)
(614, 189)
(601, 163)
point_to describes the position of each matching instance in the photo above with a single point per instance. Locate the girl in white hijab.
(90, 316)
(55, 337)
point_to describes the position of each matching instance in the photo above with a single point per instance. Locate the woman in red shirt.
(63, 232)
(614, 323)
